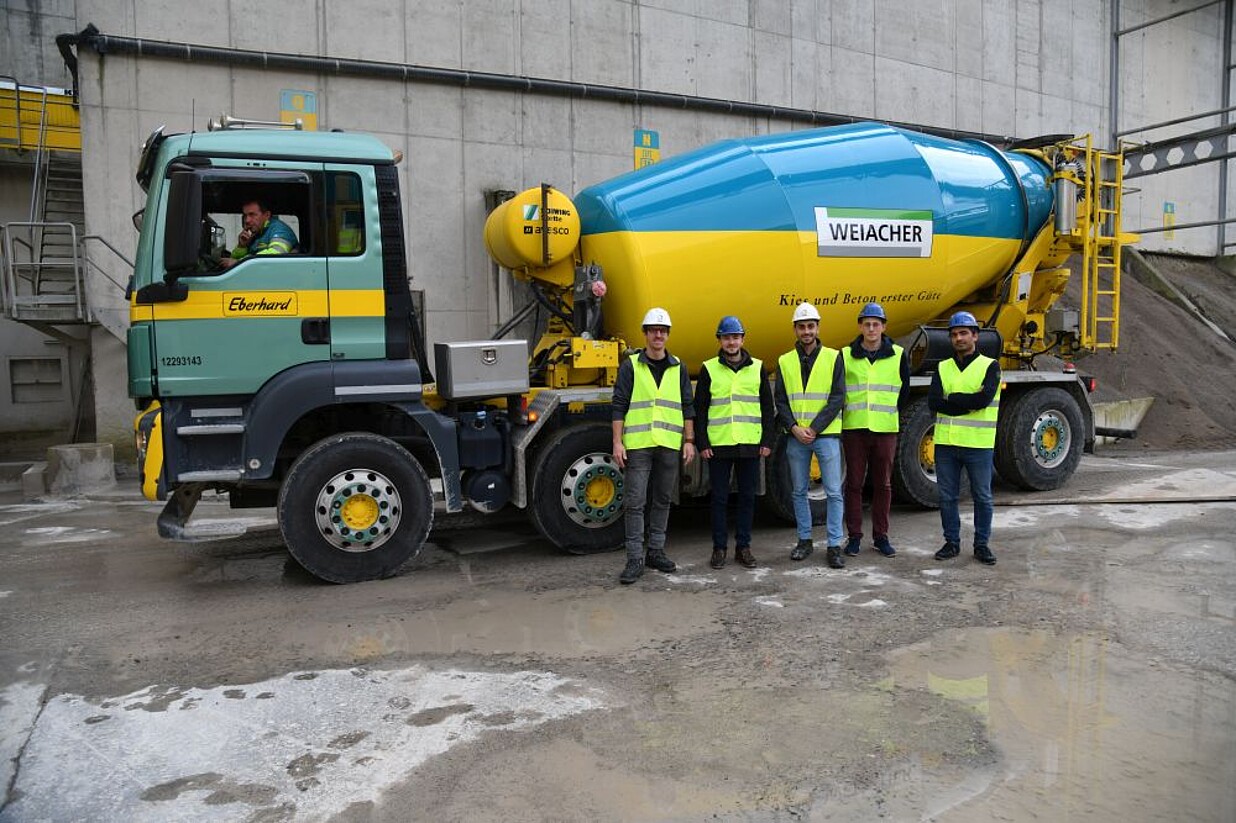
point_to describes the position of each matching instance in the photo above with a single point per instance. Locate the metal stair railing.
(35, 289)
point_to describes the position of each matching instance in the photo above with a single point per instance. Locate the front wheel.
(1039, 443)
(577, 490)
(355, 507)
(914, 469)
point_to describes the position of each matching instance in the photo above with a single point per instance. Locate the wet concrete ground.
(1090, 675)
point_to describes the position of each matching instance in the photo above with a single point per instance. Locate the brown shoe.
(745, 557)
(718, 559)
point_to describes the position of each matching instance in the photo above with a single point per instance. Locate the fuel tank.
(837, 217)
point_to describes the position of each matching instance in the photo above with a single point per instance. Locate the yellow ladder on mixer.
(1101, 250)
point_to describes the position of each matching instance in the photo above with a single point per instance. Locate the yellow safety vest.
(871, 391)
(654, 417)
(734, 409)
(806, 403)
(976, 429)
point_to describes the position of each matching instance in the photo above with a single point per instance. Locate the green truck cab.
(292, 380)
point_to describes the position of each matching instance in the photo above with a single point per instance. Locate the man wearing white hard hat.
(653, 423)
(965, 395)
(810, 394)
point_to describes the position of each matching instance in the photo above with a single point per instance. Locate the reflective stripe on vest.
(654, 417)
(976, 429)
(871, 391)
(734, 411)
(806, 403)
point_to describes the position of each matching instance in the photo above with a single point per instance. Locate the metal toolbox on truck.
(481, 368)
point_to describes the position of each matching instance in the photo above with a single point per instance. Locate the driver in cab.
(263, 235)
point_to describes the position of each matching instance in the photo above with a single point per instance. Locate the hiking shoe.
(884, 547)
(853, 545)
(718, 559)
(803, 550)
(658, 561)
(745, 558)
(948, 551)
(832, 556)
(631, 572)
(983, 555)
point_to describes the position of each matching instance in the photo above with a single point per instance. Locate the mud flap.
(179, 509)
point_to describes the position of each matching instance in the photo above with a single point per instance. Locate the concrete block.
(810, 75)
(434, 111)
(435, 35)
(546, 121)
(34, 481)
(1120, 414)
(603, 43)
(548, 165)
(968, 37)
(723, 60)
(811, 20)
(915, 93)
(111, 17)
(853, 86)
(364, 103)
(738, 12)
(80, 468)
(667, 51)
(1028, 43)
(544, 30)
(1057, 115)
(773, 61)
(605, 128)
(489, 28)
(919, 34)
(853, 25)
(773, 16)
(1056, 66)
(998, 44)
(188, 89)
(969, 103)
(999, 109)
(379, 37)
(297, 30)
(434, 200)
(203, 21)
(593, 167)
(491, 117)
(1029, 119)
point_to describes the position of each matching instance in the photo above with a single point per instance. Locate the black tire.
(576, 488)
(1040, 439)
(355, 507)
(914, 467)
(778, 497)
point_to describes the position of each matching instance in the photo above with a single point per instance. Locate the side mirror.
(183, 229)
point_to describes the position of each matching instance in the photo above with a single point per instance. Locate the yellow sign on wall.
(299, 105)
(647, 148)
(1169, 219)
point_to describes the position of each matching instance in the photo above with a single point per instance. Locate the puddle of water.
(303, 746)
(1084, 729)
(556, 625)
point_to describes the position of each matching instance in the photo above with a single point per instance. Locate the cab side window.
(345, 215)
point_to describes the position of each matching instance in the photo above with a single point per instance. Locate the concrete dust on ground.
(1089, 675)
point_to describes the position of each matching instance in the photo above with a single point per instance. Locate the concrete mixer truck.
(301, 380)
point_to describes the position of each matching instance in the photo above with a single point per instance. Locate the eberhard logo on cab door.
(259, 304)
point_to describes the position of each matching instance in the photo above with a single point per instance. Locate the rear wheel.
(1040, 440)
(355, 507)
(914, 469)
(577, 490)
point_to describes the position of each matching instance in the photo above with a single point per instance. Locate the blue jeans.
(827, 451)
(747, 470)
(977, 462)
(648, 482)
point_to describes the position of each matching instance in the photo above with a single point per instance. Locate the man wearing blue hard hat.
(965, 395)
(734, 405)
(877, 383)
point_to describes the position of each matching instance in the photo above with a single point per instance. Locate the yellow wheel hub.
(1051, 439)
(600, 491)
(927, 453)
(360, 511)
